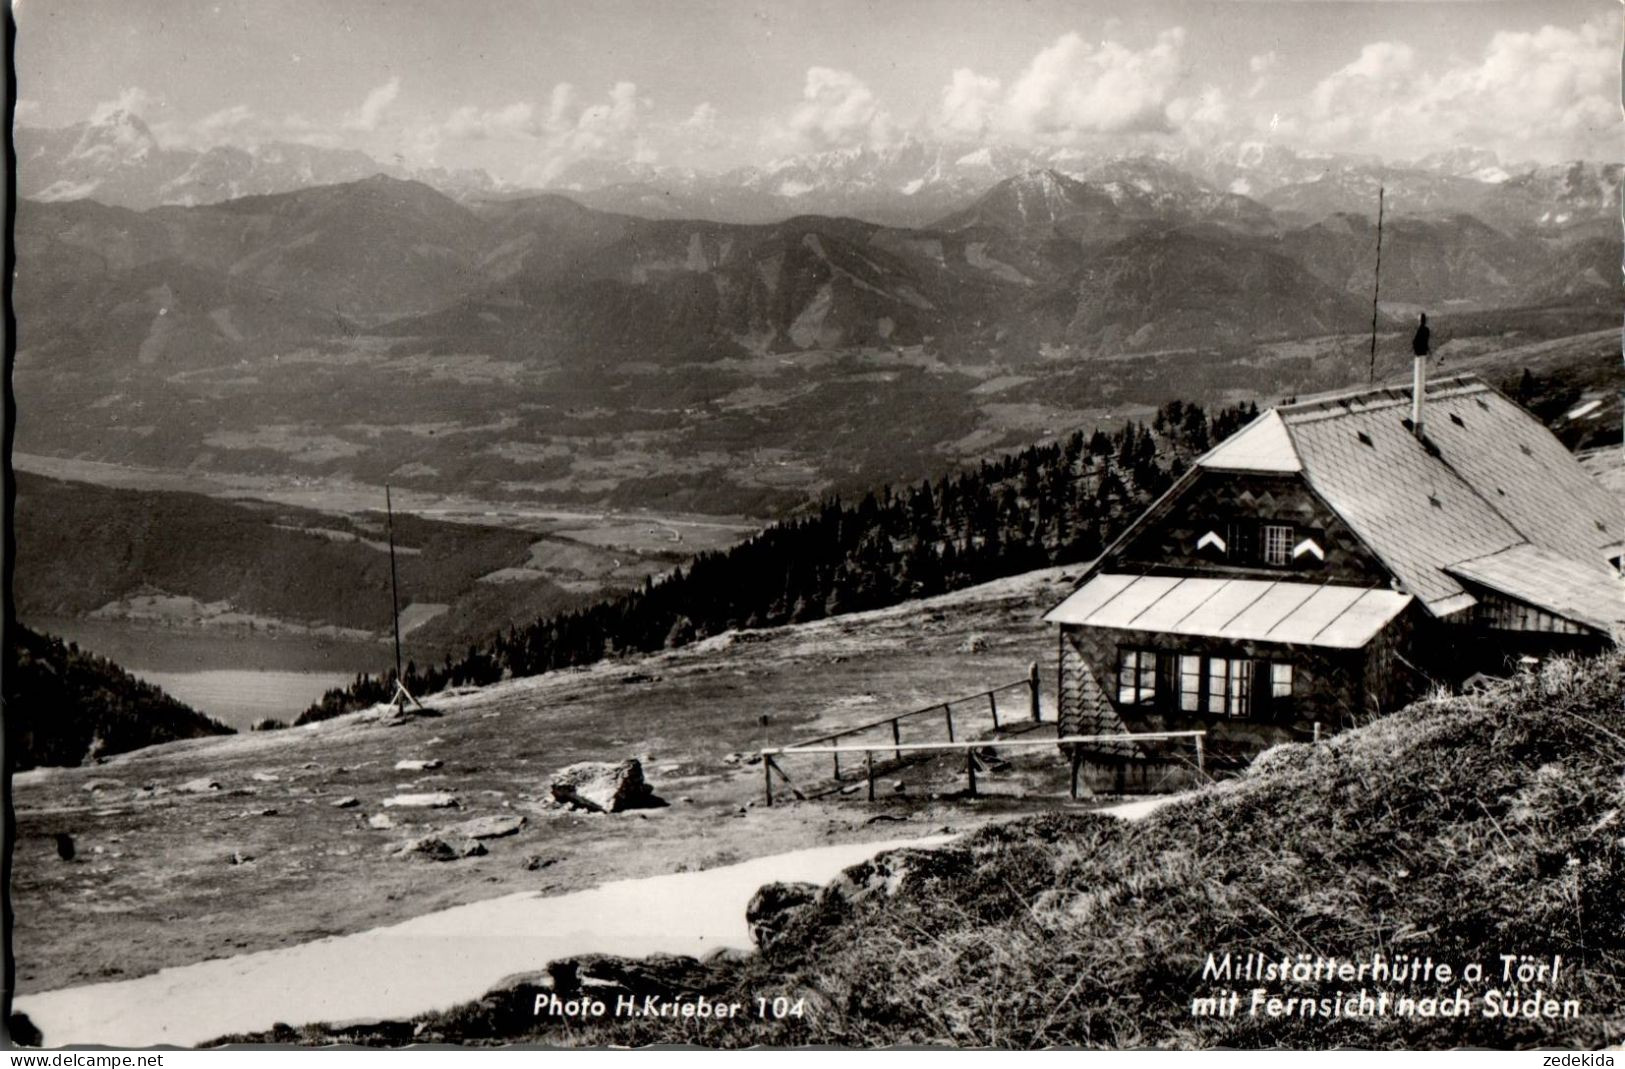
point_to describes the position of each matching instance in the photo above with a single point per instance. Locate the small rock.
(686, 800)
(380, 821)
(417, 766)
(102, 784)
(347, 802)
(265, 777)
(536, 861)
(201, 785)
(487, 827)
(898, 787)
(64, 846)
(437, 849)
(436, 741)
(240, 858)
(426, 800)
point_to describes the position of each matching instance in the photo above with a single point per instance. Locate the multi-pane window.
(1190, 683)
(1229, 686)
(1280, 681)
(1201, 683)
(1277, 543)
(1504, 614)
(1136, 677)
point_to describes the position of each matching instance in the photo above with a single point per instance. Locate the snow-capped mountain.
(117, 160)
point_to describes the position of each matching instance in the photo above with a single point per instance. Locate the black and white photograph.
(964, 524)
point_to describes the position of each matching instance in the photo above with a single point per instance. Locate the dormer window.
(1277, 539)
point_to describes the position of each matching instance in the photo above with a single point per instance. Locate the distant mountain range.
(118, 161)
(1042, 257)
(536, 346)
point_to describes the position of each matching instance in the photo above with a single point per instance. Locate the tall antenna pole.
(394, 590)
(1376, 288)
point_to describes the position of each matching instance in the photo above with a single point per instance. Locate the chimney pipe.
(1419, 372)
(1419, 382)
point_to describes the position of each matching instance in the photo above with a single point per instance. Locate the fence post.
(993, 707)
(1032, 688)
(896, 740)
(1201, 764)
(869, 764)
(947, 711)
(767, 776)
(1317, 730)
(970, 769)
(836, 759)
(1077, 760)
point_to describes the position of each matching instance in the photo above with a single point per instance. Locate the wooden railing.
(945, 709)
(770, 766)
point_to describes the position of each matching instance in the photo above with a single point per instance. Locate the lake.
(237, 679)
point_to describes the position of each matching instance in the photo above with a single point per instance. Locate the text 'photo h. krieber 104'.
(1070, 524)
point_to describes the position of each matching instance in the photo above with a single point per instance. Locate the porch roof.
(1255, 610)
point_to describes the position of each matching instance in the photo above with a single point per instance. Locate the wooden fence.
(1028, 715)
(770, 766)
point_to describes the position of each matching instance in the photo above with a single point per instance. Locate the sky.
(524, 88)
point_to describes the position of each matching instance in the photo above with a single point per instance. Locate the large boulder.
(602, 787)
(772, 906)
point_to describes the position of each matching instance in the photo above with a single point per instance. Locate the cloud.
(517, 121)
(1262, 67)
(701, 129)
(704, 117)
(970, 102)
(1203, 116)
(372, 109)
(1552, 92)
(1073, 89)
(838, 110)
(132, 101)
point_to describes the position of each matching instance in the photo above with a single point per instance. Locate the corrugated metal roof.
(1260, 610)
(1588, 595)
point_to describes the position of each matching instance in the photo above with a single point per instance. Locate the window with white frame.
(1277, 543)
(1229, 686)
(1280, 681)
(1136, 677)
(1190, 683)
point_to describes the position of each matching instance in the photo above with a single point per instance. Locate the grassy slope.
(1460, 828)
(320, 870)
